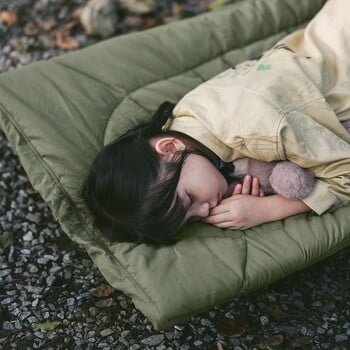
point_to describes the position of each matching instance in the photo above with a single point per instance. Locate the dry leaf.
(6, 239)
(104, 290)
(149, 22)
(30, 29)
(48, 326)
(301, 342)
(178, 9)
(219, 346)
(218, 3)
(330, 306)
(105, 302)
(47, 24)
(66, 42)
(47, 40)
(9, 18)
(69, 25)
(232, 327)
(276, 340)
(276, 312)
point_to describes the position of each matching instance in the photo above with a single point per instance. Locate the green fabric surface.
(57, 115)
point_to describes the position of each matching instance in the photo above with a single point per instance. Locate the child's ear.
(167, 146)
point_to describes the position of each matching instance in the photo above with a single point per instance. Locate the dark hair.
(131, 191)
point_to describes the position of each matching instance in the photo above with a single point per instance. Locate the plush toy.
(281, 177)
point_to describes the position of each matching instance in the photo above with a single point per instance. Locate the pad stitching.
(71, 202)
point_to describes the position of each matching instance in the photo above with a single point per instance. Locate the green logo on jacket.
(263, 67)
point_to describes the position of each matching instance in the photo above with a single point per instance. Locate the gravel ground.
(53, 297)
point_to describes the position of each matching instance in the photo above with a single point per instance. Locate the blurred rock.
(99, 17)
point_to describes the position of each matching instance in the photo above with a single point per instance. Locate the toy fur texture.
(283, 177)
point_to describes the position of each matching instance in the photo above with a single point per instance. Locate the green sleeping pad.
(57, 115)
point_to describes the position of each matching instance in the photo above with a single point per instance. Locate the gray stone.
(24, 315)
(32, 268)
(39, 335)
(50, 279)
(106, 332)
(70, 301)
(5, 272)
(264, 320)
(28, 237)
(153, 340)
(8, 326)
(205, 322)
(34, 290)
(134, 347)
(320, 330)
(32, 319)
(161, 347)
(18, 324)
(33, 218)
(6, 301)
(340, 338)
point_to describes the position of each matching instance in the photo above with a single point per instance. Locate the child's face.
(201, 187)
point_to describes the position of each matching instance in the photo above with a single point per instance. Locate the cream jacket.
(286, 105)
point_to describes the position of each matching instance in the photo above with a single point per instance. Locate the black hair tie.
(164, 112)
(154, 126)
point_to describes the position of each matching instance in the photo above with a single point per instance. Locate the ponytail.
(152, 128)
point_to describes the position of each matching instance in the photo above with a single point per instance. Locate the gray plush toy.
(281, 177)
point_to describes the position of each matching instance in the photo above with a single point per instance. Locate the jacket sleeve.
(323, 149)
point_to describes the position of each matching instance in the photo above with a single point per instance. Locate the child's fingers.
(237, 189)
(219, 220)
(255, 187)
(261, 193)
(247, 185)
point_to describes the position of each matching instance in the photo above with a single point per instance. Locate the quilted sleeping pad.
(57, 114)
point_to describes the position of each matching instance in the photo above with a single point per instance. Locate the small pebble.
(264, 320)
(135, 347)
(153, 340)
(106, 332)
(28, 237)
(6, 301)
(5, 272)
(34, 218)
(340, 338)
(32, 319)
(320, 330)
(39, 335)
(70, 301)
(8, 326)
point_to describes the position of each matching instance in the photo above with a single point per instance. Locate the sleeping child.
(292, 105)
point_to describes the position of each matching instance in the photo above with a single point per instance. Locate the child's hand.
(249, 186)
(240, 211)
